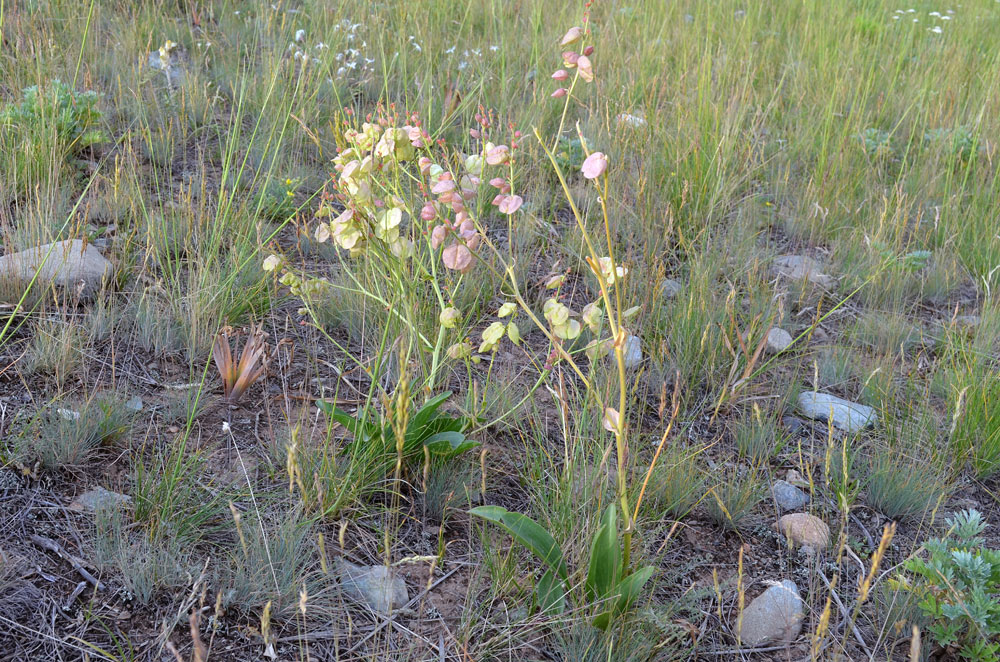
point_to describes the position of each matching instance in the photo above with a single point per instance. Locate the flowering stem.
(617, 333)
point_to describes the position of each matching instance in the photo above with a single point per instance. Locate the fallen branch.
(57, 549)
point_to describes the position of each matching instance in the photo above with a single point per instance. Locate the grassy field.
(482, 301)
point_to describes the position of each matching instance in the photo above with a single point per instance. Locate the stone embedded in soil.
(633, 351)
(134, 403)
(844, 414)
(787, 496)
(795, 478)
(778, 340)
(801, 267)
(70, 264)
(97, 498)
(792, 424)
(172, 67)
(670, 288)
(376, 586)
(804, 529)
(773, 617)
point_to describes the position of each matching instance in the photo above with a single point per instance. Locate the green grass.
(853, 133)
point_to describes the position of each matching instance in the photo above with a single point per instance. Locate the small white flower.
(911, 10)
(946, 18)
(225, 427)
(935, 13)
(300, 35)
(450, 50)
(936, 29)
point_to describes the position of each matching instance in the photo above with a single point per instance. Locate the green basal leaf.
(605, 561)
(550, 593)
(527, 532)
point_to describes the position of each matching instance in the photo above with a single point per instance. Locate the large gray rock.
(844, 414)
(68, 264)
(787, 496)
(376, 586)
(98, 498)
(632, 351)
(670, 288)
(801, 267)
(778, 340)
(775, 616)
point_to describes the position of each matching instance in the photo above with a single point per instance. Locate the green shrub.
(958, 584)
(72, 115)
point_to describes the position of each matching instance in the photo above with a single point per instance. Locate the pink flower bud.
(589, 50)
(474, 133)
(561, 92)
(570, 58)
(560, 75)
(443, 185)
(586, 69)
(572, 35)
(510, 204)
(438, 235)
(498, 155)
(425, 164)
(498, 200)
(428, 212)
(498, 182)
(594, 165)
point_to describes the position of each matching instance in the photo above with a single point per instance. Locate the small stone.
(670, 288)
(69, 264)
(843, 414)
(804, 529)
(633, 351)
(792, 423)
(630, 120)
(172, 66)
(773, 617)
(778, 340)
(787, 496)
(97, 498)
(134, 404)
(376, 586)
(801, 267)
(795, 478)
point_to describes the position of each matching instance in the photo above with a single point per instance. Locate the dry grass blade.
(237, 377)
